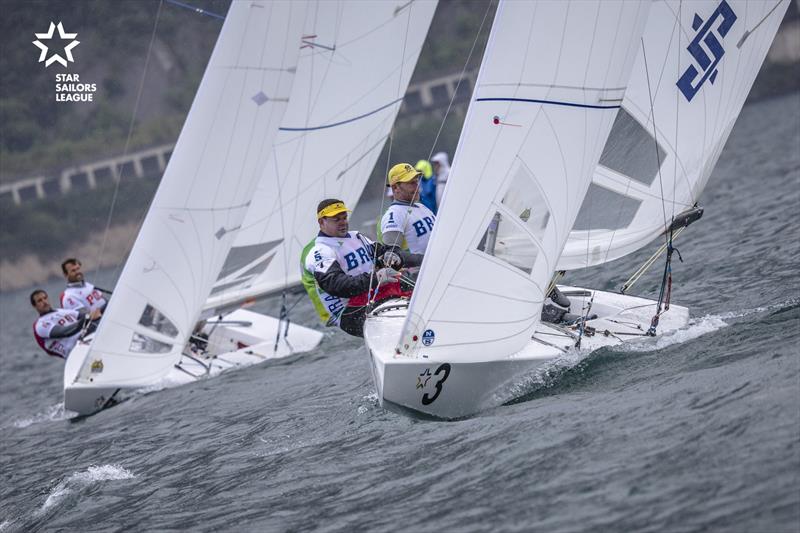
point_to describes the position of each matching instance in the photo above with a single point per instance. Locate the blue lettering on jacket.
(353, 261)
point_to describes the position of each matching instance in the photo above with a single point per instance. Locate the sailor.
(329, 308)
(80, 294)
(343, 266)
(441, 170)
(427, 185)
(406, 223)
(57, 331)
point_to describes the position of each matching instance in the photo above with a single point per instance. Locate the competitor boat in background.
(593, 156)
(356, 63)
(234, 203)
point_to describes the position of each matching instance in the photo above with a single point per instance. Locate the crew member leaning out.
(343, 266)
(57, 331)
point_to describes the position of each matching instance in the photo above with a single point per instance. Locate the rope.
(438, 133)
(647, 264)
(665, 293)
(389, 157)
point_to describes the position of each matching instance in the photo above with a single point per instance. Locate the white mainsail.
(551, 81)
(353, 72)
(203, 196)
(695, 66)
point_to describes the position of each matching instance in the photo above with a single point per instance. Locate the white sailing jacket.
(82, 294)
(414, 221)
(58, 331)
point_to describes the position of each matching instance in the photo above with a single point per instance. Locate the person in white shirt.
(79, 293)
(347, 265)
(441, 171)
(407, 223)
(57, 331)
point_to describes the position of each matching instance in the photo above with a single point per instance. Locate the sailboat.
(592, 131)
(230, 210)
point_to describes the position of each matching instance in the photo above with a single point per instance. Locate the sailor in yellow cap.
(346, 264)
(406, 223)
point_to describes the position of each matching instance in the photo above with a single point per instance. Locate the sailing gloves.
(392, 260)
(387, 275)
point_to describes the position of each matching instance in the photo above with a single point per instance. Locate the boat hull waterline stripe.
(551, 102)
(326, 126)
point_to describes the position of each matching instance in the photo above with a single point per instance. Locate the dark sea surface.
(696, 432)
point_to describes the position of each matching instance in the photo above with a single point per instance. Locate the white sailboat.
(275, 63)
(355, 66)
(560, 166)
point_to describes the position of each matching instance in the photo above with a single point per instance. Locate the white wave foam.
(51, 414)
(696, 328)
(80, 480)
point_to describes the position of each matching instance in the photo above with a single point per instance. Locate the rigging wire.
(117, 172)
(441, 125)
(389, 154)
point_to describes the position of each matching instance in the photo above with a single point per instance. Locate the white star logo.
(61, 35)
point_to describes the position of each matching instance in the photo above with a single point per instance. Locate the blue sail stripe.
(325, 126)
(551, 102)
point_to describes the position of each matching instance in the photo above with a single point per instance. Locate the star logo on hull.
(56, 58)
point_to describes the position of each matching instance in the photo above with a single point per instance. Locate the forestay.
(695, 66)
(203, 196)
(552, 79)
(354, 69)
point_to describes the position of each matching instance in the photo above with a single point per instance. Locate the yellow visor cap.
(402, 172)
(333, 210)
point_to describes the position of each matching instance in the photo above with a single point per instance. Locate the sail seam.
(549, 102)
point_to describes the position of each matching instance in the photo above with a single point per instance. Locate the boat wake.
(54, 413)
(70, 487)
(554, 374)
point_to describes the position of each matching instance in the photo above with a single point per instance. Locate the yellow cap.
(332, 210)
(402, 172)
(425, 167)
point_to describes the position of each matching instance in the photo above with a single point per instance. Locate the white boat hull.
(450, 389)
(250, 342)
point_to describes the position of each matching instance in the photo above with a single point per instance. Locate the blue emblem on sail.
(707, 59)
(428, 336)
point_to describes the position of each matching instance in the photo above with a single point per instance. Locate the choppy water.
(698, 431)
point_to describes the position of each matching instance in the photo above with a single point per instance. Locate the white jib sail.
(203, 196)
(353, 72)
(552, 78)
(696, 64)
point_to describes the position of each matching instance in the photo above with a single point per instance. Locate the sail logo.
(711, 33)
(428, 336)
(56, 57)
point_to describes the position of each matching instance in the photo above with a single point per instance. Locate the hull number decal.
(444, 371)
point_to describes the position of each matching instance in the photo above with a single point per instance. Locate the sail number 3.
(443, 369)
